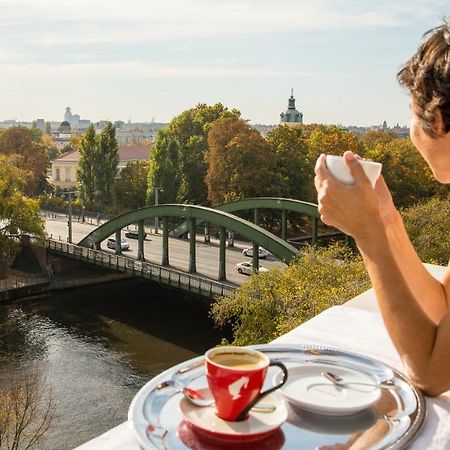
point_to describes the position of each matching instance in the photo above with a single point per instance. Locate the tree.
(106, 162)
(406, 173)
(290, 145)
(19, 215)
(273, 303)
(30, 154)
(26, 412)
(179, 154)
(87, 166)
(240, 163)
(130, 188)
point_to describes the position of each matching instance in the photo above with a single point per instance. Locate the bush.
(428, 226)
(273, 303)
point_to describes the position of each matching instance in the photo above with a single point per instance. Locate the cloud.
(104, 21)
(133, 70)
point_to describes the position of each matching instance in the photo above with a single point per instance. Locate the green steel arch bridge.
(258, 203)
(194, 215)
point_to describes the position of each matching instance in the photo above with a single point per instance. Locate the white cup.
(339, 170)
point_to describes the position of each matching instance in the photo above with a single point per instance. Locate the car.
(262, 252)
(245, 268)
(111, 243)
(134, 234)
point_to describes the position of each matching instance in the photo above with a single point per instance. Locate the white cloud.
(106, 21)
(136, 70)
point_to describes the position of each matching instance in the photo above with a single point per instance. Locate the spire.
(291, 101)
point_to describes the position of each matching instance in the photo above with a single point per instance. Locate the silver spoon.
(202, 397)
(337, 380)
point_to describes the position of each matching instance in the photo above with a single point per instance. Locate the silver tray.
(391, 423)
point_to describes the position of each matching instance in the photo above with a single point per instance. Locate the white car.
(246, 268)
(111, 243)
(262, 252)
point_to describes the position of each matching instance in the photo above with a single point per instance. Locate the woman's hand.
(355, 209)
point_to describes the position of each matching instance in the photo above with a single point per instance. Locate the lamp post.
(69, 222)
(157, 190)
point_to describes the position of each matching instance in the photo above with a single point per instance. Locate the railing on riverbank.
(166, 275)
(6, 285)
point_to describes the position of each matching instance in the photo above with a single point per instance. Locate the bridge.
(256, 204)
(226, 221)
(89, 248)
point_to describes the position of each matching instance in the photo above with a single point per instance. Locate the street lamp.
(157, 190)
(69, 222)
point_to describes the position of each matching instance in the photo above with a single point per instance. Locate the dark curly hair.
(427, 77)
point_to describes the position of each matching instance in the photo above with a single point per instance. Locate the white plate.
(308, 389)
(257, 426)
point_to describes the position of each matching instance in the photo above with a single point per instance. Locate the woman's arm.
(431, 294)
(420, 341)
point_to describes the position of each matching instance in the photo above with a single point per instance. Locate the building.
(291, 116)
(64, 168)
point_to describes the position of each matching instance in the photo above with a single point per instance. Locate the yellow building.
(64, 168)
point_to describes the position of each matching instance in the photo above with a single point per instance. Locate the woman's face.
(435, 151)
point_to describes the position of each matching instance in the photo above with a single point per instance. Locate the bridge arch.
(260, 237)
(256, 203)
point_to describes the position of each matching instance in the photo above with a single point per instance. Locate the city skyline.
(146, 59)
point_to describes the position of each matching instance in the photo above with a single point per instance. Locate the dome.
(291, 115)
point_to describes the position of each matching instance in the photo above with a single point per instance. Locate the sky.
(140, 60)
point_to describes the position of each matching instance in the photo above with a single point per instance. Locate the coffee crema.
(239, 360)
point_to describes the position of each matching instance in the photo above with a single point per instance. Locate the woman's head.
(427, 77)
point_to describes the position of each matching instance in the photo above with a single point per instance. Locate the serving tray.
(391, 423)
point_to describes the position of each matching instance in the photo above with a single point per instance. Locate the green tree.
(30, 154)
(19, 215)
(240, 163)
(273, 303)
(130, 188)
(106, 162)
(178, 155)
(163, 169)
(87, 166)
(290, 146)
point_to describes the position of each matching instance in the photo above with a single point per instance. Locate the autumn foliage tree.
(29, 152)
(240, 162)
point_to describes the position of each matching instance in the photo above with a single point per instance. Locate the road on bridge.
(207, 255)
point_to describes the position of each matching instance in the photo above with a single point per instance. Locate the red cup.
(235, 377)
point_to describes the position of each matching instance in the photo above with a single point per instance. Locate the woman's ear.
(439, 125)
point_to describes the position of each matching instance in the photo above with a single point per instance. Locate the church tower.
(291, 116)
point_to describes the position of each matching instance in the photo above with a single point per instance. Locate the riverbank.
(26, 286)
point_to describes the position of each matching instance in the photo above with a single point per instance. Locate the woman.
(414, 305)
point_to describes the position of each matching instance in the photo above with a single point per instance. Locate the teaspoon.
(338, 381)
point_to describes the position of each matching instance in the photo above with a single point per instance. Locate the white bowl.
(339, 170)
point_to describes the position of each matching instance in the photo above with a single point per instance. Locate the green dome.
(291, 115)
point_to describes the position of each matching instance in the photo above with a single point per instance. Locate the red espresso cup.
(235, 377)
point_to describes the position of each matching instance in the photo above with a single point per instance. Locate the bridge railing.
(167, 275)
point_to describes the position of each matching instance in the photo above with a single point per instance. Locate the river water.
(96, 346)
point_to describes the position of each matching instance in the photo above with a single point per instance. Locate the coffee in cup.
(235, 377)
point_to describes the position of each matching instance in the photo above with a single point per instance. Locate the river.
(96, 346)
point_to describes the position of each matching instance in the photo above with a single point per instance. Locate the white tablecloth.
(344, 327)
